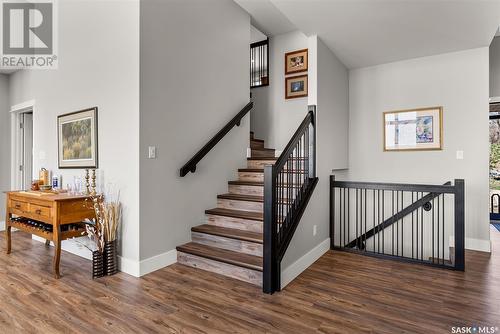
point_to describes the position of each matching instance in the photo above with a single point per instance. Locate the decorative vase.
(110, 258)
(97, 264)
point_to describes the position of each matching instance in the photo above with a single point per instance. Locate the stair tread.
(250, 215)
(257, 140)
(263, 149)
(258, 184)
(261, 170)
(222, 255)
(262, 158)
(231, 233)
(240, 197)
(247, 183)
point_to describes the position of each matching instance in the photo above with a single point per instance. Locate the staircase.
(231, 241)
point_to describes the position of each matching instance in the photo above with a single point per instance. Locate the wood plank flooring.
(340, 293)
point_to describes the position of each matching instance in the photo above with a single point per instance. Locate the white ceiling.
(266, 17)
(370, 32)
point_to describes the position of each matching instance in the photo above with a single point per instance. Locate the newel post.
(269, 254)
(459, 224)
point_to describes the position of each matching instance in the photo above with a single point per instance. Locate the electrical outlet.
(460, 155)
(315, 230)
(152, 152)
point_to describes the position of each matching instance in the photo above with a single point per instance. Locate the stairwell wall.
(194, 78)
(4, 144)
(329, 91)
(275, 119)
(495, 68)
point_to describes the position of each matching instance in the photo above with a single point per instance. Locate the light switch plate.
(460, 155)
(152, 152)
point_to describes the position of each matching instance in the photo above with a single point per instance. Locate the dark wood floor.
(340, 293)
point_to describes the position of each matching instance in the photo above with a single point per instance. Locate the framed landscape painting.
(296, 61)
(296, 86)
(414, 129)
(77, 139)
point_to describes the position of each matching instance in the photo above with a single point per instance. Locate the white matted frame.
(413, 129)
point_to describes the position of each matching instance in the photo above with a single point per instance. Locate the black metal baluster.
(373, 219)
(356, 235)
(442, 210)
(438, 239)
(392, 223)
(383, 218)
(366, 209)
(422, 231)
(412, 227)
(402, 226)
(432, 212)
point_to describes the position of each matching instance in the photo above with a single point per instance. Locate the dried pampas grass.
(104, 227)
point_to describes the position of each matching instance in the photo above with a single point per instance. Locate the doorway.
(22, 147)
(494, 136)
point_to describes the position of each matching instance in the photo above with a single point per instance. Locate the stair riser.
(262, 153)
(254, 177)
(229, 270)
(259, 177)
(246, 190)
(227, 243)
(256, 144)
(237, 223)
(261, 163)
(239, 205)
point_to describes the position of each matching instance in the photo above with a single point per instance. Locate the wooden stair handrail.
(190, 166)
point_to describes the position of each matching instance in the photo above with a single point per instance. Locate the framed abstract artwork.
(296, 61)
(296, 87)
(413, 129)
(77, 139)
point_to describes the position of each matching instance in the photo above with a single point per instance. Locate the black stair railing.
(410, 222)
(288, 186)
(259, 64)
(190, 166)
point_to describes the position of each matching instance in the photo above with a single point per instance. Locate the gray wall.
(194, 78)
(458, 82)
(274, 119)
(329, 90)
(4, 142)
(495, 67)
(98, 66)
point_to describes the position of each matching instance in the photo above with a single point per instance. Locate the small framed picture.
(296, 86)
(296, 61)
(77, 139)
(414, 129)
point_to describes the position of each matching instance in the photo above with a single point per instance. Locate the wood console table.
(53, 209)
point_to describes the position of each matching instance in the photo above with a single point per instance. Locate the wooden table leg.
(57, 250)
(47, 242)
(8, 232)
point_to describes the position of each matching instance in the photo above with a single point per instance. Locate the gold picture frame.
(413, 129)
(296, 61)
(296, 86)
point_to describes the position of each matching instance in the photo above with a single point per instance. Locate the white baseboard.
(144, 267)
(479, 245)
(131, 267)
(296, 268)
(157, 262)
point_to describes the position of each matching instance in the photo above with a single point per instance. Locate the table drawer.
(39, 210)
(19, 206)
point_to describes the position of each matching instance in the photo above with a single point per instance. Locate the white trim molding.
(296, 268)
(479, 245)
(131, 267)
(2, 225)
(146, 266)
